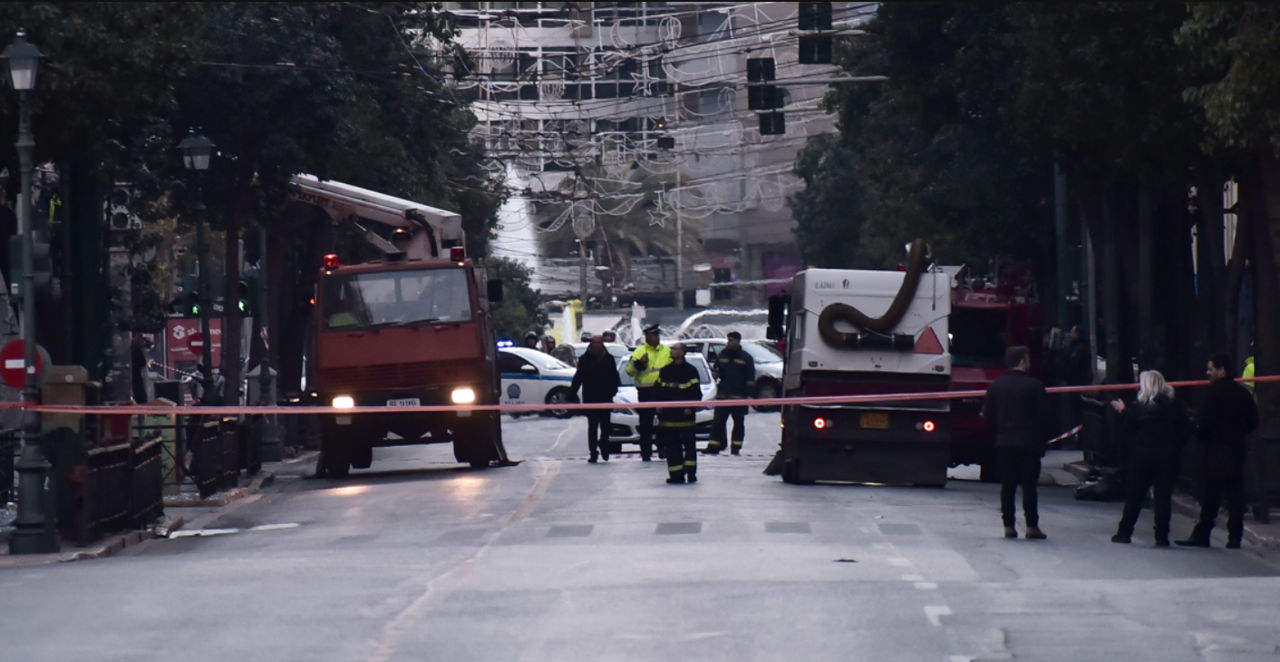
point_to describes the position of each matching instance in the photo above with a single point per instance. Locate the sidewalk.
(179, 511)
(1257, 534)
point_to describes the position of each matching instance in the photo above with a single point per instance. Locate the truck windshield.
(978, 337)
(401, 297)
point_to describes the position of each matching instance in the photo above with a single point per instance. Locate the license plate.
(403, 402)
(874, 421)
(342, 420)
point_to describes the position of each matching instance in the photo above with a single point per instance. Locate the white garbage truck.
(859, 333)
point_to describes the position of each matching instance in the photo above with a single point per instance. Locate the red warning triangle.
(928, 343)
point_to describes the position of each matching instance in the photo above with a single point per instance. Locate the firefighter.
(679, 381)
(649, 358)
(737, 374)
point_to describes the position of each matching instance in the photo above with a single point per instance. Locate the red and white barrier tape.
(199, 410)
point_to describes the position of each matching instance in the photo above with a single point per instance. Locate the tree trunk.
(1211, 267)
(1265, 239)
(1148, 346)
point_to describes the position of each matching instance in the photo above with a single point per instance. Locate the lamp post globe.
(33, 532)
(197, 151)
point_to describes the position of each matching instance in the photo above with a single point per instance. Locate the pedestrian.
(1079, 363)
(565, 354)
(1227, 417)
(138, 364)
(646, 361)
(531, 340)
(679, 381)
(598, 378)
(1155, 429)
(736, 373)
(1017, 409)
(548, 344)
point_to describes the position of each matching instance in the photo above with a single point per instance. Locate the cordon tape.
(826, 400)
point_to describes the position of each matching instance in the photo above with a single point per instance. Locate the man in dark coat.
(737, 373)
(678, 381)
(598, 378)
(1226, 419)
(1017, 409)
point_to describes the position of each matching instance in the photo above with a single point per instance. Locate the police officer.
(531, 340)
(737, 374)
(648, 359)
(679, 381)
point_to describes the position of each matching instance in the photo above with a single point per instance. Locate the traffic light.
(245, 301)
(815, 48)
(762, 97)
(773, 124)
(118, 210)
(42, 265)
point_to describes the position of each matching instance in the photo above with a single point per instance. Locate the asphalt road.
(557, 559)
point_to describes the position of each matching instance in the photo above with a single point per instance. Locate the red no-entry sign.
(13, 363)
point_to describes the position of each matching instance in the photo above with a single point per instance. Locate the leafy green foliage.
(520, 310)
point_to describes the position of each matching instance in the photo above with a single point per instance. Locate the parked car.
(530, 376)
(623, 423)
(768, 362)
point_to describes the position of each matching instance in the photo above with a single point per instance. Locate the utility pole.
(582, 271)
(675, 204)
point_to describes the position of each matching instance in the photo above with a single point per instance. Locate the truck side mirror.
(777, 317)
(494, 290)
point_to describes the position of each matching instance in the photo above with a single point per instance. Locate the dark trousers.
(598, 432)
(1019, 467)
(681, 451)
(646, 428)
(1215, 486)
(720, 422)
(1149, 467)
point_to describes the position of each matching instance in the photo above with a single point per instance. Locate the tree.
(521, 307)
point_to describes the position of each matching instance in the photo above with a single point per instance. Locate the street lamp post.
(196, 152)
(33, 531)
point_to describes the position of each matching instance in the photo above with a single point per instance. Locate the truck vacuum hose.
(886, 322)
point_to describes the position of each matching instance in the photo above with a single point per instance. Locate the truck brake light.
(457, 253)
(331, 261)
(820, 423)
(929, 426)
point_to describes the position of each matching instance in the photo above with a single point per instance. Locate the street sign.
(13, 361)
(196, 342)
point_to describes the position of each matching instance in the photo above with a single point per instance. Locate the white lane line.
(935, 613)
(202, 532)
(899, 561)
(926, 586)
(275, 527)
(882, 546)
(960, 658)
(913, 578)
(560, 437)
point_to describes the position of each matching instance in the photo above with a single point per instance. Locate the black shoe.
(1233, 544)
(1162, 542)
(676, 480)
(1010, 532)
(1192, 542)
(1123, 540)
(735, 452)
(604, 456)
(691, 479)
(592, 459)
(646, 459)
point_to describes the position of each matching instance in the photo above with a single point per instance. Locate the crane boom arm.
(432, 231)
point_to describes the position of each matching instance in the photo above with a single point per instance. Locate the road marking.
(202, 532)
(913, 578)
(883, 546)
(926, 586)
(935, 613)
(560, 437)
(275, 527)
(899, 561)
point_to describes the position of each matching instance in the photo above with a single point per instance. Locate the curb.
(1187, 505)
(118, 542)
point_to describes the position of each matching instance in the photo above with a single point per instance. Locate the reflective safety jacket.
(658, 358)
(737, 374)
(678, 381)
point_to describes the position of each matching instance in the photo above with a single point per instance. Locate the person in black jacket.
(1017, 409)
(678, 381)
(1228, 416)
(737, 373)
(1156, 428)
(598, 378)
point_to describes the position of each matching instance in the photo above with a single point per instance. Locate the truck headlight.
(344, 402)
(463, 396)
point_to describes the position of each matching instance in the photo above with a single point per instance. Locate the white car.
(623, 423)
(617, 349)
(768, 362)
(532, 377)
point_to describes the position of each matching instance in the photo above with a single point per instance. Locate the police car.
(531, 377)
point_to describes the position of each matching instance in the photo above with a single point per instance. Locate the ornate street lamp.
(33, 533)
(196, 153)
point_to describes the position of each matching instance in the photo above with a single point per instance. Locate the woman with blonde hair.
(1155, 428)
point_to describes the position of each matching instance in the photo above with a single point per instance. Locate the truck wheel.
(559, 396)
(767, 389)
(333, 461)
(479, 442)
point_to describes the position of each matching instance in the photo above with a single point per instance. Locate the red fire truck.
(411, 329)
(987, 317)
